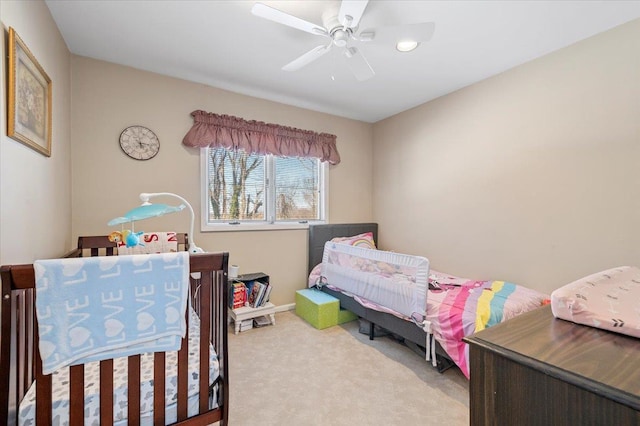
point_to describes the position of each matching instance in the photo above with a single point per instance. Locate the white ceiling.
(220, 43)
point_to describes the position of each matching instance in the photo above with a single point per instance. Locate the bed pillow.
(361, 240)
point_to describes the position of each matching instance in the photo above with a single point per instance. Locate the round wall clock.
(139, 143)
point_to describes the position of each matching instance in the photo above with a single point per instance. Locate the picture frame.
(29, 101)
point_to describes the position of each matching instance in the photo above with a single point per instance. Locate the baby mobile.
(129, 237)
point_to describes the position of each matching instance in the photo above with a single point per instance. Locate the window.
(241, 191)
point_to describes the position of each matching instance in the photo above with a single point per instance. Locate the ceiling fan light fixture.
(341, 26)
(406, 45)
(340, 37)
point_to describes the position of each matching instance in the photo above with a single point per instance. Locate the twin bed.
(401, 294)
(187, 386)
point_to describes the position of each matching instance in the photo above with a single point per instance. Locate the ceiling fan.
(340, 27)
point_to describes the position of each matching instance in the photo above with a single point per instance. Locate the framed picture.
(29, 106)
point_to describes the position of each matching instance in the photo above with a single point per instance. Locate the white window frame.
(259, 225)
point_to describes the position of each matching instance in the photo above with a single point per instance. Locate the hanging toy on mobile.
(133, 239)
(148, 210)
(126, 237)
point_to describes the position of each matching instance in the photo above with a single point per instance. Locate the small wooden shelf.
(246, 312)
(240, 314)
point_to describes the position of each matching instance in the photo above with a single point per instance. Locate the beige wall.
(35, 191)
(108, 97)
(529, 176)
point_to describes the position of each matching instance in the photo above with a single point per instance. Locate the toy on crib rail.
(130, 239)
(133, 239)
(115, 237)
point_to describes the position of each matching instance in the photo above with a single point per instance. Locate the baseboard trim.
(287, 307)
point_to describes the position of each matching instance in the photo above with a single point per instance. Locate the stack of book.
(258, 293)
(253, 294)
(237, 295)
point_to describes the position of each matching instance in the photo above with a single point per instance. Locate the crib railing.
(100, 245)
(17, 338)
(20, 362)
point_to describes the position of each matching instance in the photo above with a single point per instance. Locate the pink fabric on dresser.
(609, 300)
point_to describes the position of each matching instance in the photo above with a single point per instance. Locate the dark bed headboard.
(320, 234)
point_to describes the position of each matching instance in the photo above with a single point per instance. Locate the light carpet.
(294, 374)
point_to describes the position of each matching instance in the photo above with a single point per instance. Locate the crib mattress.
(60, 381)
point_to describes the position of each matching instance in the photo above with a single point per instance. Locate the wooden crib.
(21, 365)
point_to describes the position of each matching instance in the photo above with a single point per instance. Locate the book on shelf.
(251, 291)
(261, 321)
(248, 288)
(258, 295)
(237, 295)
(254, 294)
(261, 293)
(267, 293)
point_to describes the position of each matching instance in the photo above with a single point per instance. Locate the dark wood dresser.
(538, 370)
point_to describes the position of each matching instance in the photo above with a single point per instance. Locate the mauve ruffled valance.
(256, 137)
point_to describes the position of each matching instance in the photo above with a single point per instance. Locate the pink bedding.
(459, 307)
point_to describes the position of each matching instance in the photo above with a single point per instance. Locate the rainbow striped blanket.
(459, 307)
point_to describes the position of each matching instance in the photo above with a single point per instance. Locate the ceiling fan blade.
(358, 64)
(418, 32)
(308, 57)
(275, 15)
(351, 11)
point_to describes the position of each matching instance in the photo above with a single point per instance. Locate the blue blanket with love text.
(95, 308)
